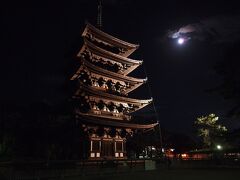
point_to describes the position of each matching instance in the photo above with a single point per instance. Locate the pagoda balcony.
(109, 114)
(106, 114)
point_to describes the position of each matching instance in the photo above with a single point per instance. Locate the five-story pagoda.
(101, 103)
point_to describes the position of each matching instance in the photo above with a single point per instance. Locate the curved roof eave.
(109, 38)
(108, 54)
(116, 123)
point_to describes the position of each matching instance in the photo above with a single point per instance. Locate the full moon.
(181, 41)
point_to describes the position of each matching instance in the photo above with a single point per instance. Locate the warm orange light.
(184, 155)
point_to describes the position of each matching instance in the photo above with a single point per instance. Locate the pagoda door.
(107, 149)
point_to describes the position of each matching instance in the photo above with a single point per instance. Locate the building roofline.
(109, 37)
(104, 121)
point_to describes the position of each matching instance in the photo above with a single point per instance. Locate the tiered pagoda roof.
(126, 47)
(112, 98)
(122, 124)
(103, 81)
(100, 72)
(108, 56)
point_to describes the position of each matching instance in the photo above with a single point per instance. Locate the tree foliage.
(210, 130)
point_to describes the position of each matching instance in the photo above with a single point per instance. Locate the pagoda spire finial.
(99, 17)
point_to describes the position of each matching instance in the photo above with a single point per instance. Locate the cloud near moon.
(220, 29)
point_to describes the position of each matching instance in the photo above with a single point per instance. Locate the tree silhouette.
(209, 130)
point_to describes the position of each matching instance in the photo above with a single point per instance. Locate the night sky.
(40, 40)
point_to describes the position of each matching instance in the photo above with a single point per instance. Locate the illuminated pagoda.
(101, 103)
